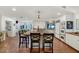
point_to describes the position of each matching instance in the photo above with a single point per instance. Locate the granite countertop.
(74, 33)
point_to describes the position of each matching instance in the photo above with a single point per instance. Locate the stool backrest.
(48, 36)
(35, 36)
(22, 32)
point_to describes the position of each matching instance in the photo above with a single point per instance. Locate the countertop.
(74, 33)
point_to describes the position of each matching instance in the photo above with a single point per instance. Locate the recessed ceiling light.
(13, 9)
(58, 13)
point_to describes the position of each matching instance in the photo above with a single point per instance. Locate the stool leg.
(26, 41)
(19, 42)
(43, 46)
(31, 48)
(52, 47)
(22, 40)
(39, 47)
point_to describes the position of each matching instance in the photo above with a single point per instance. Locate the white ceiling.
(30, 12)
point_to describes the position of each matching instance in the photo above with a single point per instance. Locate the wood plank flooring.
(10, 45)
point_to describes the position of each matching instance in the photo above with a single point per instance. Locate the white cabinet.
(57, 35)
(62, 37)
(73, 41)
(60, 30)
(57, 27)
(10, 28)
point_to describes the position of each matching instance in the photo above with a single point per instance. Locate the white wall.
(0, 22)
(77, 19)
(3, 23)
(20, 22)
(3, 26)
(35, 24)
(66, 18)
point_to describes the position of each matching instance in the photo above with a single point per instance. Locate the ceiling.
(30, 12)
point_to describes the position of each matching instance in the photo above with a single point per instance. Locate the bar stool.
(22, 39)
(35, 38)
(48, 39)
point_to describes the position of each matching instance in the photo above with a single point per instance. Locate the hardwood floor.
(60, 47)
(10, 45)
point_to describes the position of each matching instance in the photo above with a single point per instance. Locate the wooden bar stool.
(22, 39)
(35, 38)
(48, 39)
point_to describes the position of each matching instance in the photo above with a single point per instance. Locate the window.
(25, 26)
(50, 26)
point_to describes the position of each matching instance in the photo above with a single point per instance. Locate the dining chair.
(48, 39)
(22, 38)
(35, 38)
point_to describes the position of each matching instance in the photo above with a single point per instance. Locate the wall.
(3, 23)
(43, 25)
(35, 24)
(77, 19)
(3, 26)
(20, 22)
(66, 18)
(0, 21)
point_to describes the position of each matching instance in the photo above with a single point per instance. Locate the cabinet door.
(57, 28)
(73, 41)
(62, 37)
(57, 35)
(69, 39)
(76, 42)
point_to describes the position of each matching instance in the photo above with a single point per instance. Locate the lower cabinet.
(62, 37)
(70, 39)
(57, 35)
(73, 41)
